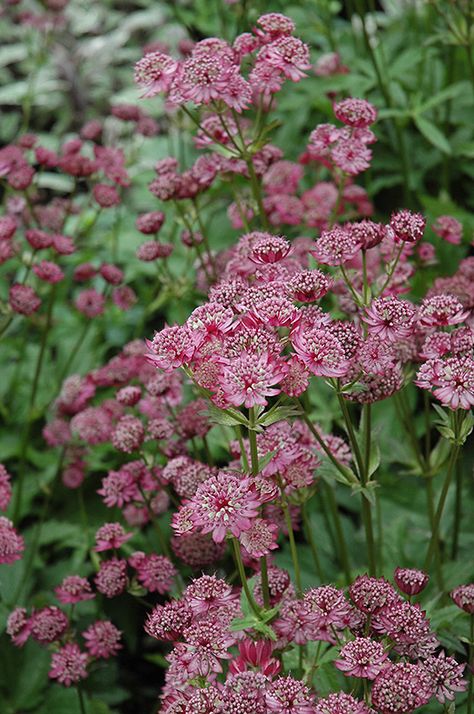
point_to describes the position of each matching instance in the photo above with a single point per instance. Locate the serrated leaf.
(432, 134)
(226, 417)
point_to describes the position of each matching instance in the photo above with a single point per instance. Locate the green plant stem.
(80, 695)
(243, 577)
(293, 549)
(442, 500)
(309, 537)
(430, 510)
(366, 505)
(255, 470)
(341, 541)
(351, 433)
(72, 355)
(44, 339)
(391, 270)
(457, 512)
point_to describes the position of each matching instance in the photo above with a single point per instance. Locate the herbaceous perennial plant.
(284, 321)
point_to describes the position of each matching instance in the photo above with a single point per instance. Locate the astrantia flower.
(441, 310)
(410, 581)
(336, 246)
(208, 642)
(355, 112)
(320, 351)
(90, 302)
(171, 348)
(289, 55)
(224, 503)
(48, 624)
(168, 621)
(102, 639)
(128, 434)
(18, 626)
(209, 594)
(74, 589)
(48, 271)
(286, 695)
(401, 688)
(105, 195)
(273, 25)
(111, 580)
(267, 248)
(118, 488)
(463, 597)
(11, 543)
(449, 229)
(155, 72)
(149, 223)
(446, 676)
(454, 383)
(295, 622)
(5, 488)
(390, 318)
(341, 703)
(68, 665)
(308, 286)
(155, 572)
(249, 378)
(256, 654)
(261, 538)
(362, 657)
(23, 299)
(197, 549)
(408, 226)
(351, 156)
(368, 233)
(111, 536)
(372, 594)
(297, 378)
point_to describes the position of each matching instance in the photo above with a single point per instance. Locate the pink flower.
(390, 318)
(441, 310)
(208, 594)
(90, 302)
(362, 657)
(355, 112)
(309, 286)
(48, 624)
(341, 703)
(273, 25)
(18, 626)
(224, 503)
(48, 271)
(288, 55)
(336, 246)
(407, 226)
(23, 299)
(155, 72)
(446, 676)
(286, 695)
(102, 639)
(454, 383)
(267, 248)
(111, 580)
(171, 348)
(372, 594)
(320, 351)
(105, 195)
(249, 378)
(168, 622)
(11, 543)
(410, 581)
(261, 538)
(155, 572)
(118, 488)
(74, 589)
(128, 434)
(401, 688)
(257, 654)
(5, 488)
(463, 597)
(68, 665)
(111, 536)
(449, 229)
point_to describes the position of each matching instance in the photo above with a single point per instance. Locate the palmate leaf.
(432, 134)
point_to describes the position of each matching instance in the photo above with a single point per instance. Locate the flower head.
(411, 581)
(362, 657)
(68, 665)
(102, 639)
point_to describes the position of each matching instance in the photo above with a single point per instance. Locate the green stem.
(457, 512)
(366, 505)
(309, 537)
(255, 470)
(442, 500)
(80, 695)
(293, 549)
(321, 442)
(44, 339)
(243, 577)
(341, 541)
(72, 355)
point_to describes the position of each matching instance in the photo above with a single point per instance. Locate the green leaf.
(432, 134)
(454, 90)
(227, 417)
(278, 414)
